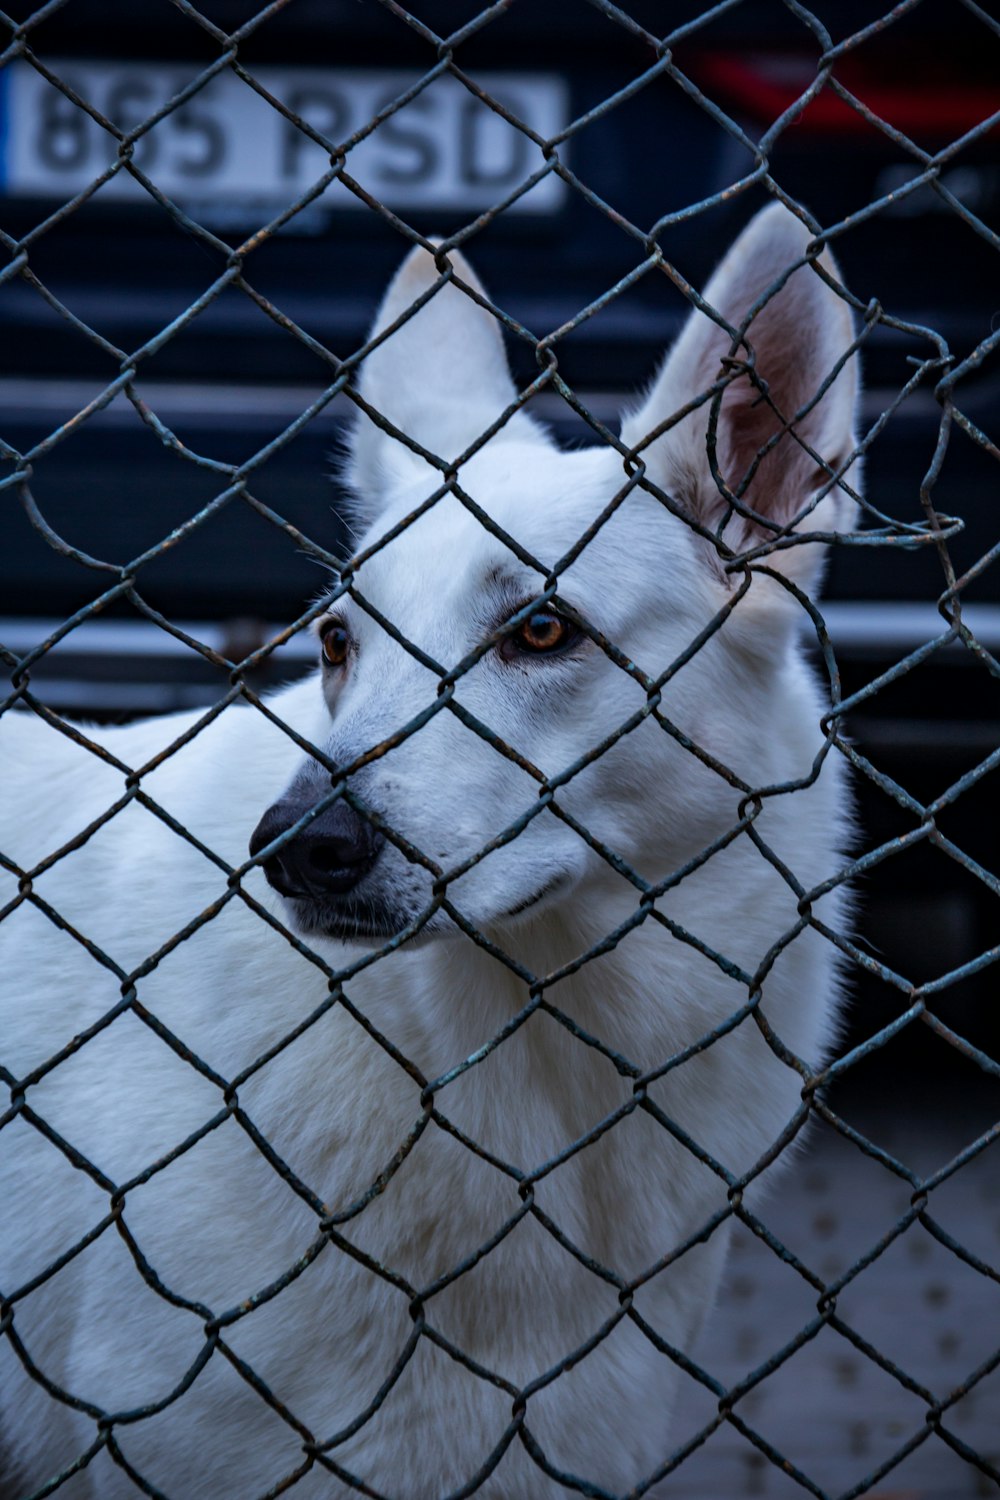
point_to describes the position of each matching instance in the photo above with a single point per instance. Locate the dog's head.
(506, 679)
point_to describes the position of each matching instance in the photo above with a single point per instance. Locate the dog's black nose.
(328, 858)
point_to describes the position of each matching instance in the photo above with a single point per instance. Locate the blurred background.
(901, 152)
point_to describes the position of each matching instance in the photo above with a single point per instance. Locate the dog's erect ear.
(795, 342)
(441, 377)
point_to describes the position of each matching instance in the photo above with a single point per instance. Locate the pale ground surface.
(829, 1410)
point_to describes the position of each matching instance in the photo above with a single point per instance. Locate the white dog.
(423, 1219)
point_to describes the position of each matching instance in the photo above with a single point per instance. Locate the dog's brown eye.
(336, 644)
(543, 633)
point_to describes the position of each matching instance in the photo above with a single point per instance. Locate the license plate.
(228, 154)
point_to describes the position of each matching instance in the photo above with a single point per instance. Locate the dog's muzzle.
(327, 859)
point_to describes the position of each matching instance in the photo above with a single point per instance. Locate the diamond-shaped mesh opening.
(402, 1146)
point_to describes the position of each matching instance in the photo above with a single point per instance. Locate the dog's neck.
(542, 978)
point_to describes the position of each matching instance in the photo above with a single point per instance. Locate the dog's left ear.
(796, 341)
(440, 376)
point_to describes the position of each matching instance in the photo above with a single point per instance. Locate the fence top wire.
(753, 551)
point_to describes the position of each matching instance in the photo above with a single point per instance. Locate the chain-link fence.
(393, 1057)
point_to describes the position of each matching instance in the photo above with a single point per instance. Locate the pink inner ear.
(799, 338)
(749, 421)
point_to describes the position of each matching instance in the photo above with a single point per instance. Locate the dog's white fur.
(218, 1225)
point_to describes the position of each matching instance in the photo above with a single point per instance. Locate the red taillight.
(763, 85)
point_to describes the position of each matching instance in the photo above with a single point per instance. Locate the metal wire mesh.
(115, 581)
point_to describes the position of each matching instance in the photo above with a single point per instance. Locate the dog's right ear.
(440, 376)
(798, 333)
